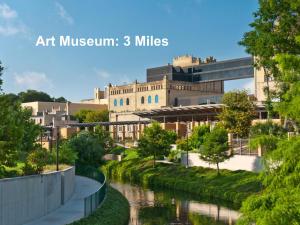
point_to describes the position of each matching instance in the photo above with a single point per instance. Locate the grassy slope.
(231, 186)
(115, 210)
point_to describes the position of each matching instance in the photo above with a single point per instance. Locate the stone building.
(172, 90)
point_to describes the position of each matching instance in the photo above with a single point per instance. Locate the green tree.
(18, 132)
(66, 154)
(97, 116)
(197, 137)
(104, 138)
(87, 147)
(266, 135)
(33, 95)
(1, 71)
(60, 99)
(237, 113)
(156, 141)
(279, 203)
(215, 147)
(89, 116)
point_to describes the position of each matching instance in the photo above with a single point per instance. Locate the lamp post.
(57, 146)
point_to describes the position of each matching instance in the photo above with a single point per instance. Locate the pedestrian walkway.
(73, 209)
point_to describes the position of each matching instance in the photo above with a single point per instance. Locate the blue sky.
(198, 27)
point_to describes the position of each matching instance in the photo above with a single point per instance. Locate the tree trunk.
(154, 157)
(218, 169)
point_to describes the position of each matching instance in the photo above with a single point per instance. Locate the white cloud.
(33, 80)
(10, 24)
(6, 12)
(64, 15)
(249, 86)
(102, 73)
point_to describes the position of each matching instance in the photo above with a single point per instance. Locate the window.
(142, 100)
(149, 99)
(176, 102)
(121, 102)
(127, 101)
(156, 99)
(115, 102)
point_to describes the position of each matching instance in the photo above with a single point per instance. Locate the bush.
(117, 150)
(66, 154)
(38, 159)
(87, 147)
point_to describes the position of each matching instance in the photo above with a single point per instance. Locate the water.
(148, 207)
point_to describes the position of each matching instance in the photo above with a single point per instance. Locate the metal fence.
(242, 147)
(92, 202)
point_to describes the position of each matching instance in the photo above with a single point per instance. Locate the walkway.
(74, 208)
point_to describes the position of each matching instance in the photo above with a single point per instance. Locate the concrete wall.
(237, 162)
(23, 199)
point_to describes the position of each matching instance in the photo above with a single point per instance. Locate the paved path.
(74, 208)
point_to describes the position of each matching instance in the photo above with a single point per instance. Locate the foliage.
(37, 159)
(215, 147)
(103, 137)
(231, 186)
(33, 95)
(156, 215)
(66, 154)
(115, 210)
(266, 135)
(1, 71)
(279, 203)
(237, 114)
(89, 116)
(197, 137)
(117, 150)
(18, 132)
(87, 147)
(156, 141)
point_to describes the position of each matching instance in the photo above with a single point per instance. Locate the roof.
(192, 110)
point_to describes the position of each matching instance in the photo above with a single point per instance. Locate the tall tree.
(1, 71)
(237, 113)
(215, 147)
(33, 95)
(275, 26)
(156, 141)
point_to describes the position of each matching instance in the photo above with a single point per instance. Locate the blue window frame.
(156, 99)
(121, 102)
(115, 102)
(149, 99)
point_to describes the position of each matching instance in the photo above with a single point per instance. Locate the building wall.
(237, 162)
(260, 83)
(23, 199)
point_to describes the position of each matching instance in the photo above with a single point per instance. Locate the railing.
(92, 202)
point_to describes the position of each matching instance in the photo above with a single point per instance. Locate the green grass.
(16, 171)
(114, 211)
(230, 186)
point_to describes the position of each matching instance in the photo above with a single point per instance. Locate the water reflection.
(162, 207)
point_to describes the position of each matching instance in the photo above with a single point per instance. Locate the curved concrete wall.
(23, 199)
(237, 162)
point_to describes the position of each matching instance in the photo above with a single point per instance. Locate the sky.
(201, 28)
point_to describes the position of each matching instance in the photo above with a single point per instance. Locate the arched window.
(127, 101)
(121, 102)
(176, 102)
(142, 100)
(156, 99)
(115, 102)
(149, 99)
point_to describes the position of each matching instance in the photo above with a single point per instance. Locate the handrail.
(93, 201)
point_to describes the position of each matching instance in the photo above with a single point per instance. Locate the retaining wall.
(23, 199)
(237, 162)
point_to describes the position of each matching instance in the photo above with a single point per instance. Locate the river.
(148, 207)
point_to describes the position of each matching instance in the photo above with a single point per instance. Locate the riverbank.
(231, 186)
(114, 210)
